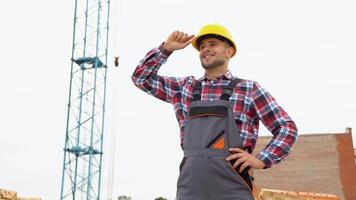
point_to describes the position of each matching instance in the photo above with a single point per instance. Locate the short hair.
(219, 37)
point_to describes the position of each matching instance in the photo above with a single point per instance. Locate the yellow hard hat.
(214, 29)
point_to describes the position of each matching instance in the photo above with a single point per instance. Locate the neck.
(214, 73)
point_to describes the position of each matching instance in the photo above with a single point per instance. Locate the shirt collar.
(227, 76)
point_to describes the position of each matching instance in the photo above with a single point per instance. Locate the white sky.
(302, 51)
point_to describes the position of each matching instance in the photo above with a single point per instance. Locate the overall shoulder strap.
(229, 89)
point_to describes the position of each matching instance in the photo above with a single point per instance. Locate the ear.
(229, 52)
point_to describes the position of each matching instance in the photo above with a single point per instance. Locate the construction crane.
(83, 150)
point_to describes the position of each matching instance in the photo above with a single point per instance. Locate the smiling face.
(214, 53)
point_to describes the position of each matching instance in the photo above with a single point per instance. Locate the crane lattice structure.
(81, 175)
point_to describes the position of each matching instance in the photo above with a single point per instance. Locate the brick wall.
(314, 166)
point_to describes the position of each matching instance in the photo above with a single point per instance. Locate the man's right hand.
(177, 40)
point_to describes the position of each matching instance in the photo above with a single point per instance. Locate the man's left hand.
(245, 158)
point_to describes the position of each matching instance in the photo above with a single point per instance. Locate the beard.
(213, 65)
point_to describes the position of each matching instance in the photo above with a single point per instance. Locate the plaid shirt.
(251, 103)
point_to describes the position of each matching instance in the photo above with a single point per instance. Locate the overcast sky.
(303, 52)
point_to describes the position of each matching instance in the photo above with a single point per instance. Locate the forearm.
(284, 136)
(145, 76)
(147, 69)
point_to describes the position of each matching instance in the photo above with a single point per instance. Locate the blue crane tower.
(83, 151)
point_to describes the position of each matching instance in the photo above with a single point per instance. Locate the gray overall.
(209, 131)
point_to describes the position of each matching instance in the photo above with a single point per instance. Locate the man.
(218, 115)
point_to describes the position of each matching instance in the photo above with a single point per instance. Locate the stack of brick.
(12, 195)
(269, 194)
(7, 195)
(319, 196)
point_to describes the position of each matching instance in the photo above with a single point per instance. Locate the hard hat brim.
(197, 39)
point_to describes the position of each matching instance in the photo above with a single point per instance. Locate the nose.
(204, 49)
